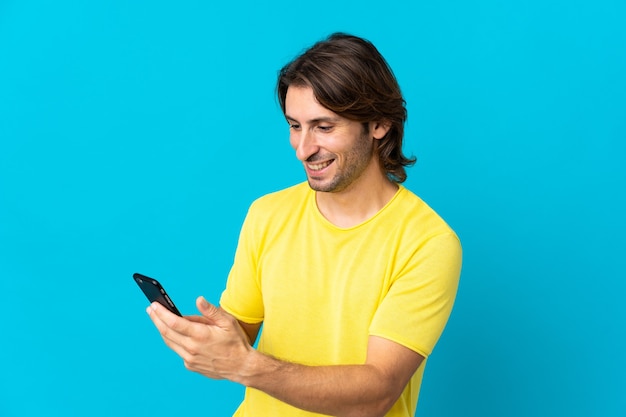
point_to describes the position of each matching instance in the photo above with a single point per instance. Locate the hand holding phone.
(155, 292)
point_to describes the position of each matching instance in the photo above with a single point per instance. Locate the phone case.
(155, 292)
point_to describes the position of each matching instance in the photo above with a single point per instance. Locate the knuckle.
(192, 362)
(166, 333)
(173, 323)
(192, 350)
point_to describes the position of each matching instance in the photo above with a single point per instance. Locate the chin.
(325, 187)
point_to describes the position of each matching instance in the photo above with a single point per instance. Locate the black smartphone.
(155, 292)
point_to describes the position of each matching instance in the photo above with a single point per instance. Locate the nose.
(304, 143)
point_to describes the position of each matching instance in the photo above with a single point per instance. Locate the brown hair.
(351, 78)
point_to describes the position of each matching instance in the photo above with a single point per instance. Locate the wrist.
(254, 366)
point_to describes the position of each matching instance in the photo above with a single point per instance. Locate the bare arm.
(370, 389)
(251, 330)
(216, 346)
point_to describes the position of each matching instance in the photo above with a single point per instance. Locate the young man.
(352, 276)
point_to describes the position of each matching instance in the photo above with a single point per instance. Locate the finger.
(171, 326)
(198, 319)
(207, 309)
(215, 315)
(164, 331)
(184, 346)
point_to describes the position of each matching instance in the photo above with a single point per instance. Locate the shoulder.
(282, 206)
(274, 213)
(419, 215)
(281, 200)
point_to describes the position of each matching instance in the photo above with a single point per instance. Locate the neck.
(357, 203)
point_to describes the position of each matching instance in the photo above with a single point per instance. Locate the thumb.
(209, 311)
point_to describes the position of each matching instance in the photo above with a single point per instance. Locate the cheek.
(339, 144)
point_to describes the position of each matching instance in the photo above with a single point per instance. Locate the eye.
(294, 126)
(324, 128)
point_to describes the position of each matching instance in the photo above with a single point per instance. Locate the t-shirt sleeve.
(416, 308)
(242, 297)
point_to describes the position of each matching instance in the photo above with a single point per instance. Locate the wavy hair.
(351, 78)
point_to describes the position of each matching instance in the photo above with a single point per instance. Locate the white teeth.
(317, 167)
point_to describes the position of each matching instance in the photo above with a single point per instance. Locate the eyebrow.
(316, 120)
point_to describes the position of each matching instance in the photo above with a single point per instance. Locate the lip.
(316, 169)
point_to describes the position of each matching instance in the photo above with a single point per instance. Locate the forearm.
(339, 390)
(216, 346)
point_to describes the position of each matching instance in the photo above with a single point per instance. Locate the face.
(336, 152)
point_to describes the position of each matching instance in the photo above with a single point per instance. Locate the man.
(352, 276)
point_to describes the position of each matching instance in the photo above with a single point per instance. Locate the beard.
(356, 161)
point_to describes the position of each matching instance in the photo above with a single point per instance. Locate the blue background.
(134, 135)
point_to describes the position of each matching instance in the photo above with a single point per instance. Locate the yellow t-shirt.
(321, 290)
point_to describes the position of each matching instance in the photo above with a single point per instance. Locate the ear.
(379, 129)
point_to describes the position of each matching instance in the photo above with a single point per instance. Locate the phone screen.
(155, 292)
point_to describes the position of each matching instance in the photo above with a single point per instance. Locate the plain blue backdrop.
(134, 135)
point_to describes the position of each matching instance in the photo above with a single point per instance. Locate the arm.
(340, 390)
(251, 330)
(216, 346)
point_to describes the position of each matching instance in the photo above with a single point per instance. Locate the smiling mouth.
(320, 166)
